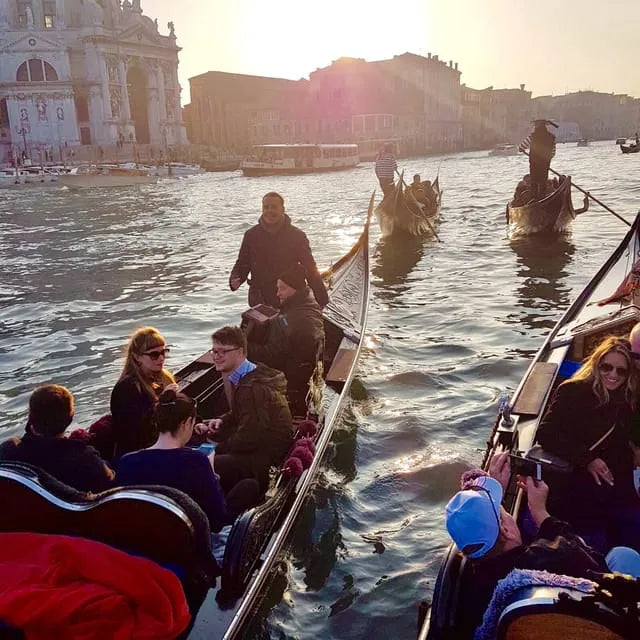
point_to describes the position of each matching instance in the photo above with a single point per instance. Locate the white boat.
(179, 170)
(504, 150)
(106, 176)
(291, 159)
(34, 176)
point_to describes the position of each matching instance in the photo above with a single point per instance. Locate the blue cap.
(473, 516)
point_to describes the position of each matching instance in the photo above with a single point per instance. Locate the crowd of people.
(151, 435)
(576, 522)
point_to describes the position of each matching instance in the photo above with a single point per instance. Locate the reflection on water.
(542, 265)
(395, 258)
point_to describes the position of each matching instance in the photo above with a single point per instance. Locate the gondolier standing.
(542, 147)
(386, 167)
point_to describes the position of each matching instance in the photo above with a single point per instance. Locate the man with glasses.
(490, 537)
(256, 432)
(268, 249)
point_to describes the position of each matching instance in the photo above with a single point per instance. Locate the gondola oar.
(586, 193)
(425, 217)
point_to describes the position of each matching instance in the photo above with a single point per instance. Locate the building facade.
(85, 72)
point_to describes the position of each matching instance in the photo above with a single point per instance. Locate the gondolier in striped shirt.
(542, 147)
(386, 167)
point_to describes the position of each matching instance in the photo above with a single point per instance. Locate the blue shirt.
(246, 367)
(185, 469)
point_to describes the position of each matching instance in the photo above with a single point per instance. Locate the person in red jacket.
(271, 247)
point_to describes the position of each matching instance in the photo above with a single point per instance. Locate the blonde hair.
(141, 341)
(590, 370)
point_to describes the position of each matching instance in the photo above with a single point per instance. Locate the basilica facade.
(85, 72)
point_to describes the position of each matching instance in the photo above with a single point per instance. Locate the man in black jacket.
(294, 336)
(542, 149)
(483, 530)
(268, 249)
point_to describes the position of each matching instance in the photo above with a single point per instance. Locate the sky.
(553, 47)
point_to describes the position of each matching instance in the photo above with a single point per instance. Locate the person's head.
(145, 357)
(388, 147)
(476, 521)
(634, 340)
(229, 348)
(610, 368)
(51, 409)
(290, 281)
(540, 124)
(416, 178)
(175, 414)
(272, 208)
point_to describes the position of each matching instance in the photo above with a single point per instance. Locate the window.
(49, 14)
(22, 11)
(36, 70)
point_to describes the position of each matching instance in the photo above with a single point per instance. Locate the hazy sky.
(551, 46)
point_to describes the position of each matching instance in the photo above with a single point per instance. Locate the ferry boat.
(106, 176)
(292, 159)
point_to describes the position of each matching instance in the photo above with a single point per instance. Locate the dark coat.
(556, 549)
(69, 460)
(575, 420)
(258, 428)
(292, 339)
(265, 255)
(132, 417)
(540, 153)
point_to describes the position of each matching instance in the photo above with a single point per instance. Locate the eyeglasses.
(605, 367)
(221, 352)
(154, 355)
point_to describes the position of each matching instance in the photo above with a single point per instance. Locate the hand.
(234, 283)
(208, 427)
(599, 470)
(172, 387)
(500, 468)
(537, 492)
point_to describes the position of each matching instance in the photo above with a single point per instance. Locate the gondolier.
(386, 167)
(542, 147)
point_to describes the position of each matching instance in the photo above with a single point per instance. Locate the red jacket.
(58, 587)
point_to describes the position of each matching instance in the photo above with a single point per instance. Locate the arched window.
(36, 70)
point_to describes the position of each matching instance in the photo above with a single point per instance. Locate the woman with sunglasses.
(588, 423)
(169, 463)
(136, 393)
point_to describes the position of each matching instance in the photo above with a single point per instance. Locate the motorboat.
(106, 176)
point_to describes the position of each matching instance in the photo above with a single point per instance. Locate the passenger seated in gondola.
(135, 394)
(294, 336)
(168, 462)
(257, 431)
(491, 539)
(44, 445)
(588, 423)
(522, 193)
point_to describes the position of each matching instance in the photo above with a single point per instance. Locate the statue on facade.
(115, 103)
(29, 13)
(171, 26)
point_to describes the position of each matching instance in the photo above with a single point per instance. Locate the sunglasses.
(605, 367)
(154, 355)
(221, 352)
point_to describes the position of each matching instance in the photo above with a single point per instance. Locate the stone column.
(161, 93)
(60, 24)
(122, 76)
(4, 16)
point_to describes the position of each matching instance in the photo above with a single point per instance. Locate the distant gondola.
(552, 214)
(165, 525)
(603, 612)
(583, 142)
(400, 212)
(630, 148)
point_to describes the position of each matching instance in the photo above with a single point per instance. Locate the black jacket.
(292, 339)
(265, 255)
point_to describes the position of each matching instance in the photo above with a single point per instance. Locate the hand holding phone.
(207, 448)
(525, 466)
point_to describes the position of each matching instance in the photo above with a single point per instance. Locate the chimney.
(429, 55)
(450, 64)
(456, 66)
(522, 87)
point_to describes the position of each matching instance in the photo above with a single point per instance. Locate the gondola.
(630, 148)
(609, 305)
(399, 212)
(164, 525)
(552, 214)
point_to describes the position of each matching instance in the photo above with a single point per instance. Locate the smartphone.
(207, 447)
(525, 466)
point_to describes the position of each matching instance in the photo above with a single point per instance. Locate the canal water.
(452, 327)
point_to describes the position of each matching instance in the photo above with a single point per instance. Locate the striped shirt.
(386, 166)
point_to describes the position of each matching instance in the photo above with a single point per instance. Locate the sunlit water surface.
(452, 326)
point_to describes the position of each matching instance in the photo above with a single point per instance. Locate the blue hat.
(473, 516)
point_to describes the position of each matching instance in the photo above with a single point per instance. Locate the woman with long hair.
(588, 423)
(135, 394)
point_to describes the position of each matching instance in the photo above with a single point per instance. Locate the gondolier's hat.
(545, 123)
(295, 277)
(473, 516)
